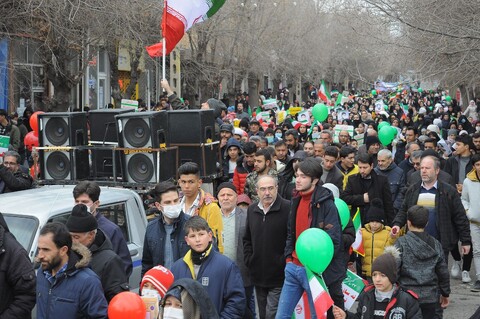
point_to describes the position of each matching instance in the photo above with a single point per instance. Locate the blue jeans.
(296, 282)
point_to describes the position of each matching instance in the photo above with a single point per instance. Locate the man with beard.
(291, 139)
(66, 287)
(245, 166)
(105, 263)
(262, 166)
(313, 208)
(363, 187)
(387, 167)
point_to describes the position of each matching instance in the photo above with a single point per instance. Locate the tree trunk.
(112, 50)
(253, 83)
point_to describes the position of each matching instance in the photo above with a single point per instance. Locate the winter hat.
(175, 292)
(239, 131)
(433, 128)
(226, 128)
(452, 131)
(160, 277)
(243, 199)
(375, 212)
(370, 140)
(438, 122)
(80, 220)
(226, 185)
(387, 263)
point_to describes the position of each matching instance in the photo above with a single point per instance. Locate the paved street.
(463, 302)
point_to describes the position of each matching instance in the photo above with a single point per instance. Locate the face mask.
(89, 209)
(478, 128)
(316, 135)
(150, 293)
(270, 139)
(278, 135)
(172, 211)
(370, 109)
(172, 313)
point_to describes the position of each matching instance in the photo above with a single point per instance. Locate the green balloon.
(382, 124)
(314, 249)
(343, 212)
(320, 112)
(448, 98)
(420, 90)
(386, 135)
(374, 92)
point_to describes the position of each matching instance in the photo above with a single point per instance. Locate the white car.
(26, 212)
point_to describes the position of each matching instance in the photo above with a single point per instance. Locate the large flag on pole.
(323, 93)
(178, 17)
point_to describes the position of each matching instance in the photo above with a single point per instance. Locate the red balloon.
(30, 140)
(127, 305)
(34, 121)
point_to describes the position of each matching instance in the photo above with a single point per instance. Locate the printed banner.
(352, 286)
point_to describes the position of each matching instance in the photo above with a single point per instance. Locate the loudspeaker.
(103, 129)
(145, 130)
(63, 129)
(195, 127)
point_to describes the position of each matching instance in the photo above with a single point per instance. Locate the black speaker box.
(195, 127)
(103, 129)
(145, 130)
(63, 129)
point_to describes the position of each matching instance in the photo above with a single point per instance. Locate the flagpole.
(164, 46)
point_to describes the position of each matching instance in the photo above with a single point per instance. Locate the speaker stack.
(63, 130)
(104, 136)
(188, 129)
(145, 130)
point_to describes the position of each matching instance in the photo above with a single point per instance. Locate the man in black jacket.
(264, 244)
(108, 266)
(447, 220)
(167, 228)
(17, 277)
(363, 187)
(11, 176)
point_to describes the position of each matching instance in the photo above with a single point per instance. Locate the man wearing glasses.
(11, 176)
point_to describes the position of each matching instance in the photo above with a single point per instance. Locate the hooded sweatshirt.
(470, 192)
(422, 267)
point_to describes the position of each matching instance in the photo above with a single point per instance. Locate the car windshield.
(23, 228)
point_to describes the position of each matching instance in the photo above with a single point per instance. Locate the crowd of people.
(232, 254)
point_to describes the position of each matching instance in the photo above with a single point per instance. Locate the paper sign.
(352, 286)
(151, 304)
(4, 143)
(303, 117)
(269, 104)
(295, 109)
(265, 116)
(339, 128)
(129, 104)
(343, 115)
(280, 117)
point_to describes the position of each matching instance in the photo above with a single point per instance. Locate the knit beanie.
(452, 131)
(80, 220)
(375, 212)
(160, 277)
(370, 140)
(387, 263)
(226, 185)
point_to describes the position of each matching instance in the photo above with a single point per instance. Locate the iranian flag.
(302, 310)
(323, 93)
(321, 298)
(178, 17)
(357, 246)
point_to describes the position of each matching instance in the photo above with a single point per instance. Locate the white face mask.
(172, 313)
(150, 293)
(172, 211)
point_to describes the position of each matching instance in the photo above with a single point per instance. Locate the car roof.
(54, 198)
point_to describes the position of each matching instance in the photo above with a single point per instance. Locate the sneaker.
(455, 271)
(476, 286)
(466, 277)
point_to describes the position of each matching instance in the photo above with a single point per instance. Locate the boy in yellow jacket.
(376, 236)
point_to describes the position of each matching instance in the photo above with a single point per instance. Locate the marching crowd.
(233, 254)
